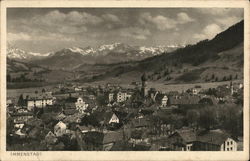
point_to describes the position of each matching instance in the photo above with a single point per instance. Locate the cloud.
(111, 18)
(220, 11)
(72, 29)
(73, 18)
(208, 32)
(184, 18)
(228, 21)
(162, 22)
(12, 37)
(18, 36)
(135, 33)
(111, 21)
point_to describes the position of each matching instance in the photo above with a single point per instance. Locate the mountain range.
(76, 56)
(218, 59)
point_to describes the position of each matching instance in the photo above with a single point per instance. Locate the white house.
(60, 128)
(164, 101)
(229, 145)
(121, 96)
(81, 106)
(114, 119)
(39, 100)
(111, 97)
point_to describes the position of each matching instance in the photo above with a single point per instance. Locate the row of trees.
(224, 78)
(22, 78)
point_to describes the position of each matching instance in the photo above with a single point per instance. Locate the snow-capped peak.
(18, 54)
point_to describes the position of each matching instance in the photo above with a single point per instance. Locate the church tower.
(144, 89)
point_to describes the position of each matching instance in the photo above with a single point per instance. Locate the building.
(39, 100)
(164, 101)
(121, 96)
(111, 97)
(110, 138)
(81, 106)
(60, 128)
(182, 140)
(114, 119)
(20, 118)
(215, 140)
(50, 138)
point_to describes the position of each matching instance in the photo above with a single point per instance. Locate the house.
(110, 97)
(110, 138)
(20, 118)
(9, 102)
(19, 133)
(114, 119)
(215, 140)
(60, 128)
(50, 138)
(164, 101)
(68, 112)
(81, 106)
(77, 89)
(60, 116)
(39, 100)
(182, 140)
(140, 123)
(121, 96)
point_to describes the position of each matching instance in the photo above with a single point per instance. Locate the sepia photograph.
(124, 79)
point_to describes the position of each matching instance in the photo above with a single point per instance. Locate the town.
(73, 117)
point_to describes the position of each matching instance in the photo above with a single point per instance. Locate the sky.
(50, 29)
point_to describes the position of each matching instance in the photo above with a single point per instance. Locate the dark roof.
(121, 146)
(37, 96)
(187, 135)
(70, 111)
(159, 97)
(216, 137)
(70, 106)
(140, 122)
(112, 136)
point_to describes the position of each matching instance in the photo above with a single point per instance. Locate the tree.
(230, 77)
(236, 76)
(216, 79)
(212, 76)
(8, 78)
(207, 101)
(21, 101)
(207, 118)
(101, 100)
(192, 117)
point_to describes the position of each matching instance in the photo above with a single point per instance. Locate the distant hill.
(71, 58)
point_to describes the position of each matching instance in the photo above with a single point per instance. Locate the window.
(231, 142)
(227, 143)
(231, 148)
(227, 149)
